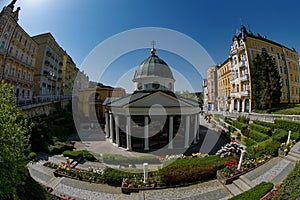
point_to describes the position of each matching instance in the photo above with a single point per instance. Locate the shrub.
(257, 136)
(228, 120)
(261, 129)
(256, 192)
(231, 129)
(32, 156)
(248, 141)
(186, 171)
(243, 119)
(267, 124)
(267, 147)
(79, 154)
(288, 125)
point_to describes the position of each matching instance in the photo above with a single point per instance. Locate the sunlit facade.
(224, 86)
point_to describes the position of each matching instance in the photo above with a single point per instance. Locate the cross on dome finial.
(153, 50)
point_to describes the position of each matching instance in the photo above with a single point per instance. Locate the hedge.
(295, 136)
(187, 171)
(257, 136)
(261, 129)
(80, 154)
(267, 124)
(117, 159)
(243, 119)
(256, 192)
(239, 125)
(267, 147)
(115, 177)
(280, 135)
(58, 147)
(247, 141)
(288, 125)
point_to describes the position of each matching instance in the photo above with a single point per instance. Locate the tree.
(186, 94)
(266, 86)
(14, 129)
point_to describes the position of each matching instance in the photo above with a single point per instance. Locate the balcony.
(242, 63)
(244, 78)
(245, 93)
(241, 48)
(234, 94)
(233, 52)
(233, 81)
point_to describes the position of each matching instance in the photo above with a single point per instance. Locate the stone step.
(54, 182)
(137, 196)
(296, 155)
(247, 181)
(241, 184)
(233, 189)
(291, 158)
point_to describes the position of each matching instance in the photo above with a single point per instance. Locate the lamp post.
(289, 137)
(241, 159)
(145, 172)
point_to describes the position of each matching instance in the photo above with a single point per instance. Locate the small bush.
(257, 136)
(79, 154)
(32, 156)
(239, 125)
(288, 125)
(228, 120)
(261, 129)
(231, 129)
(256, 192)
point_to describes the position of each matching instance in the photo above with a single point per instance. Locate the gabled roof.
(148, 98)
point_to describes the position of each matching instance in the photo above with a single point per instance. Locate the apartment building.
(212, 88)
(224, 75)
(17, 54)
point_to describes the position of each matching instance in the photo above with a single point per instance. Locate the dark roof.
(153, 66)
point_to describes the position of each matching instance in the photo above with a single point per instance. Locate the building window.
(291, 77)
(13, 71)
(20, 40)
(24, 75)
(280, 70)
(16, 34)
(286, 82)
(278, 56)
(29, 77)
(7, 69)
(19, 73)
(272, 49)
(17, 52)
(2, 44)
(8, 28)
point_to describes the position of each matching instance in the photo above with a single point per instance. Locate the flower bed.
(285, 148)
(230, 172)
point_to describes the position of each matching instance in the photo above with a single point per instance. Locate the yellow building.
(244, 49)
(69, 73)
(48, 74)
(91, 99)
(224, 77)
(17, 55)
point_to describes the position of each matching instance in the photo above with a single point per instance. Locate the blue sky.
(80, 25)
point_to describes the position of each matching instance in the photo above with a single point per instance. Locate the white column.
(187, 131)
(241, 159)
(146, 133)
(198, 125)
(111, 126)
(128, 133)
(117, 130)
(196, 129)
(170, 133)
(106, 125)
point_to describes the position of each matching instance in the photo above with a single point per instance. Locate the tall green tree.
(14, 130)
(266, 86)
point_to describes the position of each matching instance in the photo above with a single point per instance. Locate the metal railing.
(25, 101)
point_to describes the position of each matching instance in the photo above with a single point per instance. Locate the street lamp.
(241, 159)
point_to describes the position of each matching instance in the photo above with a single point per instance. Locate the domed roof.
(153, 66)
